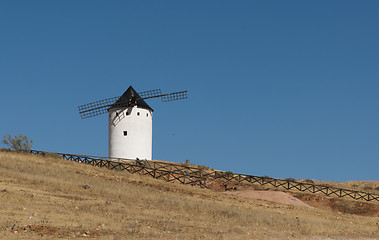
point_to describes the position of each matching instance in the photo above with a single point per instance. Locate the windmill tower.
(129, 122)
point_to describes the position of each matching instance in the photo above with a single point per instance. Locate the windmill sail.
(96, 108)
(129, 98)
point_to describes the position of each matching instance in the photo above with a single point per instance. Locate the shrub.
(203, 167)
(290, 179)
(18, 143)
(367, 188)
(309, 181)
(51, 155)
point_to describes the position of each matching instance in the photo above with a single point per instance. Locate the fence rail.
(185, 174)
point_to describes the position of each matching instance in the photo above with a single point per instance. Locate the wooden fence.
(185, 174)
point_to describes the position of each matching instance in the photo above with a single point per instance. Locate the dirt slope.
(272, 196)
(58, 199)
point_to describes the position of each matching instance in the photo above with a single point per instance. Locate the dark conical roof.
(131, 98)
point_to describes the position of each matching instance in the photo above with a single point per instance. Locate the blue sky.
(277, 88)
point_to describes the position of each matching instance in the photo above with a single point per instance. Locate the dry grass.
(363, 186)
(321, 201)
(54, 198)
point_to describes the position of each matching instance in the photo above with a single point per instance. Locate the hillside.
(54, 198)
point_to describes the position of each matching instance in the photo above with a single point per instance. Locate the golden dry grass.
(53, 198)
(363, 186)
(345, 204)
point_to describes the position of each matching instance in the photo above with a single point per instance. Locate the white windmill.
(130, 121)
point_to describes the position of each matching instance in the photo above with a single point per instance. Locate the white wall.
(138, 141)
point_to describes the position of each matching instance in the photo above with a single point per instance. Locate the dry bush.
(18, 143)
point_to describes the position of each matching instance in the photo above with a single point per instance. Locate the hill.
(54, 198)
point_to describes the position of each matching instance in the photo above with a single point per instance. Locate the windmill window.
(137, 113)
(125, 133)
(147, 114)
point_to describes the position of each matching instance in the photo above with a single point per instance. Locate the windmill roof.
(129, 97)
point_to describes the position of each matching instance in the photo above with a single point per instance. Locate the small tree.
(18, 143)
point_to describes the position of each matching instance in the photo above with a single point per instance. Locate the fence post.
(154, 170)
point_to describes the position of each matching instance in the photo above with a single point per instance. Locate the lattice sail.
(102, 106)
(174, 96)
(150, 94)
(96, 108)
